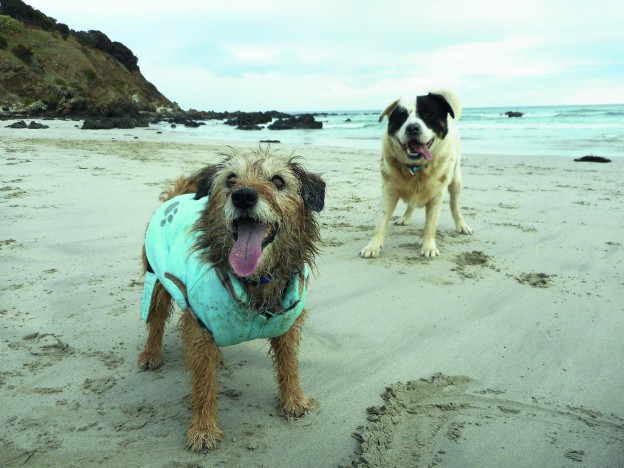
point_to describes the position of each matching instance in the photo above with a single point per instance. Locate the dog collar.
(263, 280)
(413, 169)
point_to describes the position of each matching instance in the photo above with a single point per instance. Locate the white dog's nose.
(412, 129)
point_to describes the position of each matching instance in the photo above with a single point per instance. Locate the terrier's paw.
(202, 441)
(297, 406)
(150, 361)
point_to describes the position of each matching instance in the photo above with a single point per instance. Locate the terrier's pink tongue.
(246, 253)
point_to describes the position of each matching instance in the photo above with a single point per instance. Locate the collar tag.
(413, 169)
(263, 280)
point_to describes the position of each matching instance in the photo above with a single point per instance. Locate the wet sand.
(504, 350)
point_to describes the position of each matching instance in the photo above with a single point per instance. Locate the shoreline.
(522, 320)
(164, 134)
(332, 136)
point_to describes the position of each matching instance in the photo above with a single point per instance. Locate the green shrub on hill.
(9, 25)
(90, 74)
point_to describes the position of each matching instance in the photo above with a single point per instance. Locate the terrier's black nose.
(412, 129)
(245, 198)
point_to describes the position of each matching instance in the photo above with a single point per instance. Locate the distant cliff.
(48, 69)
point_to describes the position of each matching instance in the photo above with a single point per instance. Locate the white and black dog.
(420, 159)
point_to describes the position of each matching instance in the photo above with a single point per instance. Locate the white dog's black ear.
(312, 188)
(388, 110)
(205, 178)
(441, 100)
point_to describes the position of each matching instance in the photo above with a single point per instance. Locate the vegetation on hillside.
(45, 67)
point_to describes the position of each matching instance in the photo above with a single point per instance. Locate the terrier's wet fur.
(268, 190)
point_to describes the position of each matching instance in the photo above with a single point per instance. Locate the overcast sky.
(344, 55)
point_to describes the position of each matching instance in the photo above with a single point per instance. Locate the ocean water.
(570, 131)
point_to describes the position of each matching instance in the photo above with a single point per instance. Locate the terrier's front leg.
(160, 309)
(285, 349)
(202, 359)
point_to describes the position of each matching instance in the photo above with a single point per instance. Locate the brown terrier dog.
(232, 246)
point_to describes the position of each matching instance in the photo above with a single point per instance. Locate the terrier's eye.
(278, 182)
(231, 181)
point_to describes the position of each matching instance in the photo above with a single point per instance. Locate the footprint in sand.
(536, 280)
(47, 347)
(465, 261)
(442, 421)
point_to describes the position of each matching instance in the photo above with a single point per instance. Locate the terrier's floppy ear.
(441, 100)
(204, 178)
(312, 188)
(388, 110)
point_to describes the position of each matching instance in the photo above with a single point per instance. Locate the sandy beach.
(506, 350)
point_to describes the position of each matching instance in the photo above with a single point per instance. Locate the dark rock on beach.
(36, 126)
(249, 127)
(514, 114)
(20, 124)
(591, 158)
(32, 125)
(297, 122)
(253, 120)
(106, 123)
(241, 120)
(179, 118)
(193, 123)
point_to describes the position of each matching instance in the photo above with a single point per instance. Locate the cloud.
(332, 54)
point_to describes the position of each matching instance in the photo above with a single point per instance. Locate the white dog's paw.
(464, 229)
(402, 221)
(429, 250)
(371, 250)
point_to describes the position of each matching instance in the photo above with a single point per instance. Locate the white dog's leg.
(388, 205)
(454, 189)
(403, 220)
(432, 214)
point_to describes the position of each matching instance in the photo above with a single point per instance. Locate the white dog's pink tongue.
(247, 250)
(421, 149)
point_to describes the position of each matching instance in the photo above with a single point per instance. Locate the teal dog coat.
(217, 299)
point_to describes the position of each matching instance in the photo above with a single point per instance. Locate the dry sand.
(506, 350)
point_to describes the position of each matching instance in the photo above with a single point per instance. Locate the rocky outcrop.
(99, 40)
(297, 122)
(514, 114)
(46, 69)
(49, 70)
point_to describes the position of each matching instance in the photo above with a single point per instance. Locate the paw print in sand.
(170, 211)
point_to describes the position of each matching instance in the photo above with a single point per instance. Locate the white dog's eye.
(278, 182)
(230, 181)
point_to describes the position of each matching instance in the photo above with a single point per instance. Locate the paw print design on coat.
(170, 211)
